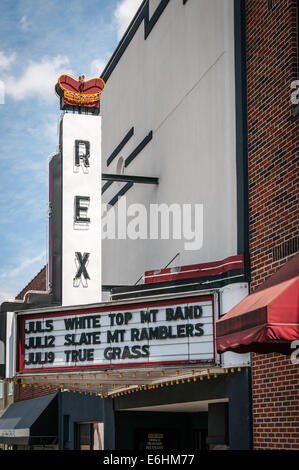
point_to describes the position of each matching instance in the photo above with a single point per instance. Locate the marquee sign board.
(160, 332)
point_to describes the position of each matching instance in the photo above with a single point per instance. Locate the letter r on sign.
(82, 152)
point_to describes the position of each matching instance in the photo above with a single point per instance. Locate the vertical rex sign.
(81, 208)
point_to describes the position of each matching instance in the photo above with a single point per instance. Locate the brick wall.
(21, 393)
(39, 282)
(272, 136)
(272, 64)
(276, 398)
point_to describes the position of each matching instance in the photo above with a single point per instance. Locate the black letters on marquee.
(37, 326)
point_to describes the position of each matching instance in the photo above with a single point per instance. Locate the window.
(85, 436)
(90, 436)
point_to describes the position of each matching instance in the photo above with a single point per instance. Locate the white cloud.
(6, 296)
(45, 129)
(24, 23)
(124, 14)
(23, 265)
(38, 79)
(16, 278)
(50, 130)
(6, 61)
(97, 66)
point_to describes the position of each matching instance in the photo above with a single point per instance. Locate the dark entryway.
(208, 414)
(142, 430)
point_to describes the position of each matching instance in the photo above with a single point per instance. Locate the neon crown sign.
(79, 94)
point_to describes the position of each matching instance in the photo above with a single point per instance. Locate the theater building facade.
(128, 348)
(272, 335)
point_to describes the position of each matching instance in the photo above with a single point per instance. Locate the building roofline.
(33, 279)
(105, 71)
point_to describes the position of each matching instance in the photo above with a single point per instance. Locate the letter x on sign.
(82, 260)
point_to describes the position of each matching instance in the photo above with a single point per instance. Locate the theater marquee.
(163, 332)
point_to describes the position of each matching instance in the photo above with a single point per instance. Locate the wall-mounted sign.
(79, 93)
(171, 331)
(155, 441)
(80, 136)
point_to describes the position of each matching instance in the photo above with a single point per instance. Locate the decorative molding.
(106, 186)
(142, 15)
(130, 178)
(120, 146)
(179, 286)
(138, 149)
(241, 133)
(120, 193)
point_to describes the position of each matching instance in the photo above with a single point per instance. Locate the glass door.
(89, 436)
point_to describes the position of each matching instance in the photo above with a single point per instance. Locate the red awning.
(265, 321)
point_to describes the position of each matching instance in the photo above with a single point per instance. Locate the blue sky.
(39, 40)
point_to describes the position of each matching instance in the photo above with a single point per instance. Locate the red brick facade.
(38, 283)
(272, 64)
(28, 392)
(275, 402)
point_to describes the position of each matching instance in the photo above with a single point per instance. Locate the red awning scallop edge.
(264, 321)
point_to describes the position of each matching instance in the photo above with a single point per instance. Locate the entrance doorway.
(168, 427)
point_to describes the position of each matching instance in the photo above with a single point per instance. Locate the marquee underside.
(123, 381)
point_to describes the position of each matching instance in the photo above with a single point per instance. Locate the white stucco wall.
(179, 83)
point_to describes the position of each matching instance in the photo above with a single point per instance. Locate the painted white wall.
(230, 296)
(84, 238)
(180, 84)
(11, 344)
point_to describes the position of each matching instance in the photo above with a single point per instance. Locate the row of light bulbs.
(148, 374)
(139, 388)
(172, 383)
